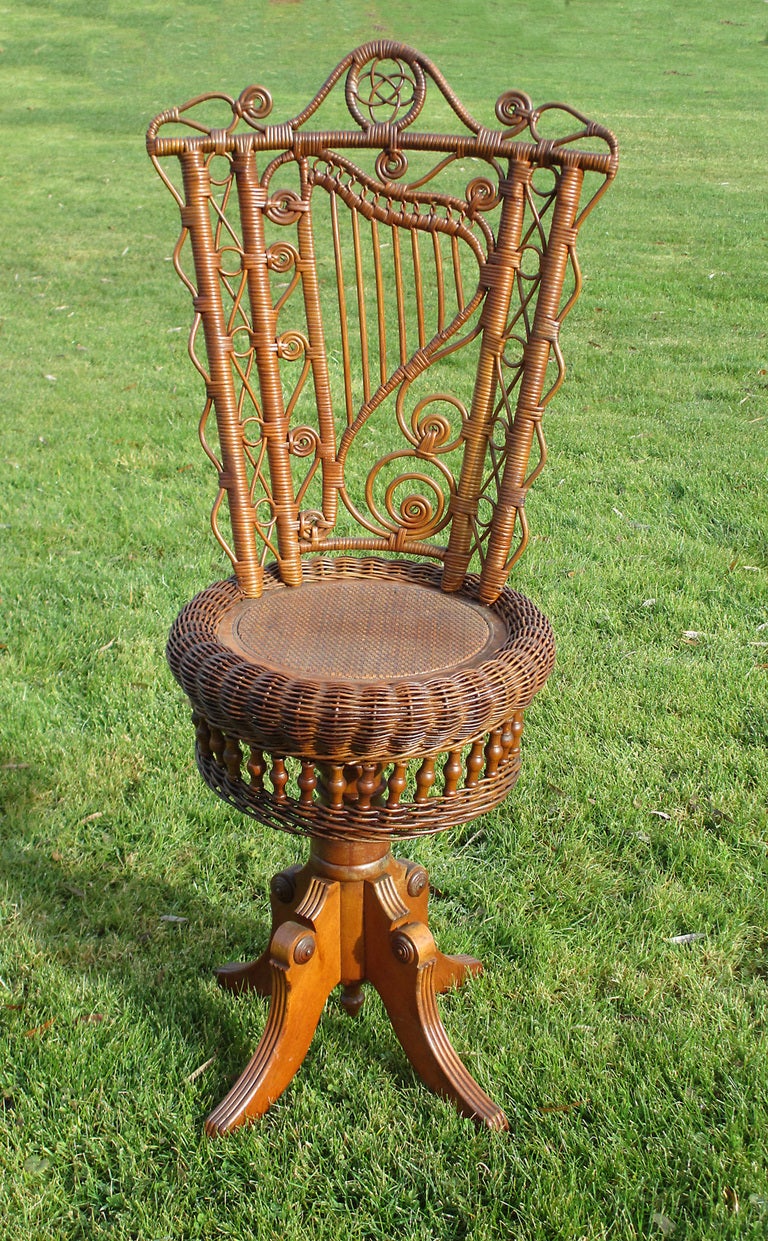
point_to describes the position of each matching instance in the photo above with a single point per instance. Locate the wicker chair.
(377, 308)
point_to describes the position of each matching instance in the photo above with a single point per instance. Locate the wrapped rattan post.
(544, 334)
(499, 275)
(221, 388)
(252, 198)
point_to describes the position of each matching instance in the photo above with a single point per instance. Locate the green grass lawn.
(634, 1068)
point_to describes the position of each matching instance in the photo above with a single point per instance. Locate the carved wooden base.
(353, 914)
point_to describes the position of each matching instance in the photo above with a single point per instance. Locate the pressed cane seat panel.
(358, 630)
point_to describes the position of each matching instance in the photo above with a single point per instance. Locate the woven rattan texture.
(335, 275)
(350, 821)
(355, 629)
(342, 719)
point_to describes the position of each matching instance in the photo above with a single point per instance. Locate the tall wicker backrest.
(378, 287)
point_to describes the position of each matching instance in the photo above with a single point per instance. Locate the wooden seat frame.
(336, 275)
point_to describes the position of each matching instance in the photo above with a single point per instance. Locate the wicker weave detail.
(341, 719)
(485, 783)
(333, 272)
(377, 315)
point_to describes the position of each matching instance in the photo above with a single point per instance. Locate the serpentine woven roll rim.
(340, 720)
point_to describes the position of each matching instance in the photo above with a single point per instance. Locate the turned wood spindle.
(367, 785)
(233, 758)
(256, 768)
(507, 739)
(425, 778)
(216, 742)
(396, 785)
(452, 771)
(307, 783)
(334, 785)
(475, 760)
(279, 778)
(202, 734)
(494, 752)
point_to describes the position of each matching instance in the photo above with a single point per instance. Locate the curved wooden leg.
(304, 964)
(453, 971)
(401, 961)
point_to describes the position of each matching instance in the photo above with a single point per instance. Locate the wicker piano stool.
(377, 310)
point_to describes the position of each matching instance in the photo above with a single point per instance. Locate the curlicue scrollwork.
(359, 287)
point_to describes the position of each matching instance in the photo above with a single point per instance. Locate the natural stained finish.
(377, 312)
(293, 686)
(352, 914)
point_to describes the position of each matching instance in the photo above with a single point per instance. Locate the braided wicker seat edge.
(335, 719)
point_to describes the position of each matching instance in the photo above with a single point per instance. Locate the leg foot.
(253, 976)
(352, 999)
(452, 971)
(401, 961)
(304, 964)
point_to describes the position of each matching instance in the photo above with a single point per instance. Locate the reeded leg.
(304, 965)
(352, 914)
(402, 963)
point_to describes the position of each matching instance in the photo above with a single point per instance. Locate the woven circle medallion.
(360, 630)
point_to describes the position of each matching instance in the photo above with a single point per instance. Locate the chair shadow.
(159, 942)
(155, 940)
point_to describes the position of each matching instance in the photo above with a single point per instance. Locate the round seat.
(367, 660)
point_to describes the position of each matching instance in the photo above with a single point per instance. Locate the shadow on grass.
(155, 943)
